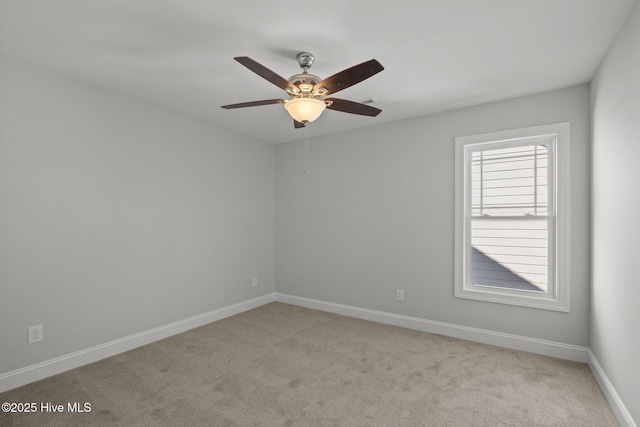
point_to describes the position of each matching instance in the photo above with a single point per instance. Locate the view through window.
(509, 230)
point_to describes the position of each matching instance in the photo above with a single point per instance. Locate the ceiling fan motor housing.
(304, 82)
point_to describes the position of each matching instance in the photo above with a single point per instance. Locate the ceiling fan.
(309, 93)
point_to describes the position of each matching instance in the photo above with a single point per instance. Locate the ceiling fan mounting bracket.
(305, 60)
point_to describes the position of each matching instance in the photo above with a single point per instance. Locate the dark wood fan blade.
(265, 73)
(350, 76)
(297, 124)
(352, 107)
(253, 103)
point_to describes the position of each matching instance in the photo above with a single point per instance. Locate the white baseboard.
(29, 374)
(515, 342)
(617, 406)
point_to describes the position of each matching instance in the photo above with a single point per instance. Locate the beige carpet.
(282, 365)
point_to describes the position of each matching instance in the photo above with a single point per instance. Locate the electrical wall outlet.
(254, 283)
(35, 334)
(399, 295)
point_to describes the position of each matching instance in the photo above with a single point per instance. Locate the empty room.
(410, 213)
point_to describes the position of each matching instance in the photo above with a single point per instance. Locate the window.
(512, 217)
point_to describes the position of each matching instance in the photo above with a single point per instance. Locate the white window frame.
(558, 296)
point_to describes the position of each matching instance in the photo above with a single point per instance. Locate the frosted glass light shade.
(304, 109)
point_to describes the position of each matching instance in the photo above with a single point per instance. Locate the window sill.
(531, 301)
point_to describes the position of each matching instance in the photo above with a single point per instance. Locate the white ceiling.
(438, 54)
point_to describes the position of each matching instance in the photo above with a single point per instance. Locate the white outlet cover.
(35, 334)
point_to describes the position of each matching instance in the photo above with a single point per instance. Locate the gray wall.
(117, 216)
(376, 213)
(615, 314)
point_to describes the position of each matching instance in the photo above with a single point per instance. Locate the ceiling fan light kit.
(305, 110)
(308, 92)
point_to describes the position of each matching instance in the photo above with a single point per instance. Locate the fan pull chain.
(306, 148)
